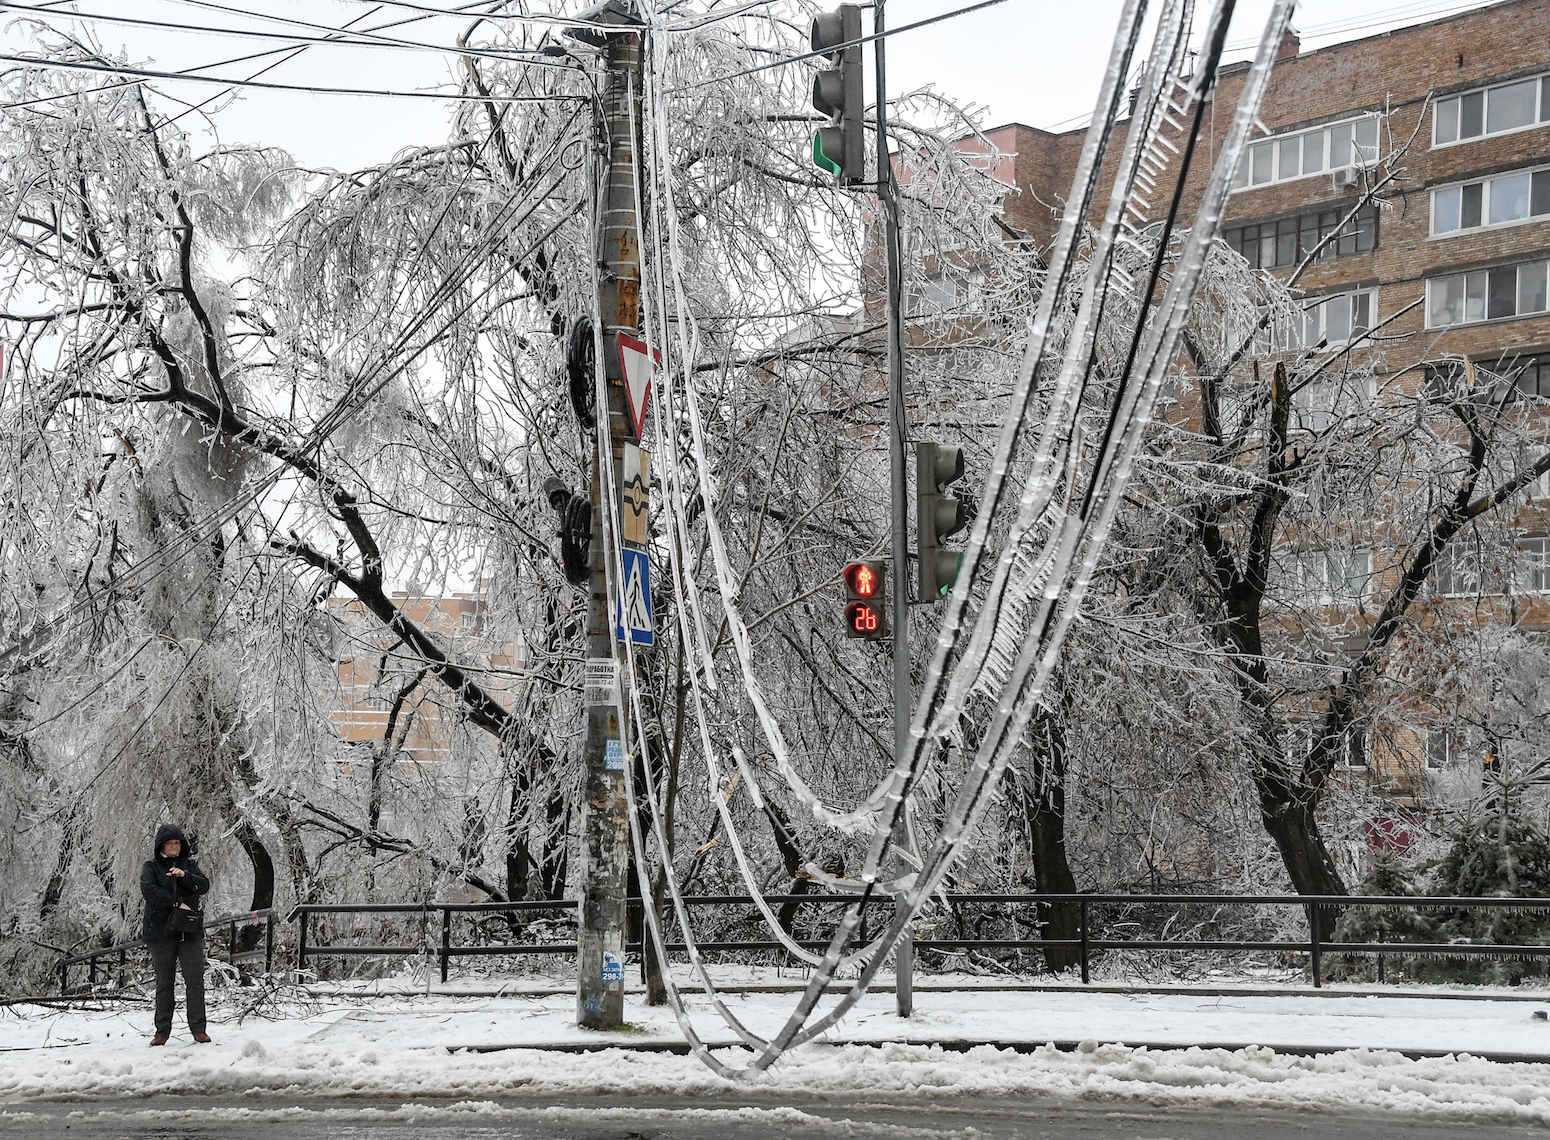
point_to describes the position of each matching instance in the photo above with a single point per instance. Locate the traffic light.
(938, 513)
(865, 614)
(840, 148)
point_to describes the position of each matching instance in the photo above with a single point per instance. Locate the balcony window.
(1499, 201)
(1486, 294)
(1304, 153)
(1493, 110)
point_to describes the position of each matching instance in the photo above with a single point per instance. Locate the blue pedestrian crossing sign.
(634, 610)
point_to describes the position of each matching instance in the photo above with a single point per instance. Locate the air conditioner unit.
(1344, 179)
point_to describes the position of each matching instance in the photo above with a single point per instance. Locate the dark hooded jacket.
(158, 887)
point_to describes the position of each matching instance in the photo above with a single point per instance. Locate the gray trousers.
(166, 957)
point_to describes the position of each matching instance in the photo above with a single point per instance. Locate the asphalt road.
(704, 1118)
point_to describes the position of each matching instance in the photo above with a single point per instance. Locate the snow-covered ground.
(412, 1047)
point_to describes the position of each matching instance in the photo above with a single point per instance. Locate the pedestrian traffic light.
(840, 148)
(938, 513)
(865, 614)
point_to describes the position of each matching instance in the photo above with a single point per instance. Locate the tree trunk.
(1044, 808)
(554, 859)
(791, 856)
(263, 865)
(54, 889)
(1295, 831)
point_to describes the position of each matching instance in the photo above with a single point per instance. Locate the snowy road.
(719, 1118)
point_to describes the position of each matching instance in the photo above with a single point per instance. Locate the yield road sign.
(638, 361)
(635, 599)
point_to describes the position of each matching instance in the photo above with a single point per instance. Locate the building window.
(1353, 751)
(1336, 147)
(1330, 577)
(1530, 376)
(1321, 403)
(1535, 549)
(1442, 748)
(957, 290)
(1330, 319)
(1486, 294)
(1272, 245)
(1491, 110)
(1498, 201)
(1445, 381)
(1458, 571)
(1297, 740)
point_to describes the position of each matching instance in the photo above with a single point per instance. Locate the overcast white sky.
(1033, 61)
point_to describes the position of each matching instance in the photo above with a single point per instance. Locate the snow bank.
(376, 1052)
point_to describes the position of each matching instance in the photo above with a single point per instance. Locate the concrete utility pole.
(605, 814)
(898, 434)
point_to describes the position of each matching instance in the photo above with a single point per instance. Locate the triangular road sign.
(638, 361)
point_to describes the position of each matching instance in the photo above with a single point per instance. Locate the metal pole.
(446, 941)
(301, 947)
(898, 433)
(605, 814)
(269, 942)
(1086, 973)
(1316, 951)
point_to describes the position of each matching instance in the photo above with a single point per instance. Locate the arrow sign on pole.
(635, 599)
(638, 361)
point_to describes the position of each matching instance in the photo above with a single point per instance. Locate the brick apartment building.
(376, 684)
(1470, 231)
(1462, 245)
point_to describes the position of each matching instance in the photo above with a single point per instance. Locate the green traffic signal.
(821, 157)
(840, 148)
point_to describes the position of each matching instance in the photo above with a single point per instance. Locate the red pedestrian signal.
(863, 579)
(865, 614)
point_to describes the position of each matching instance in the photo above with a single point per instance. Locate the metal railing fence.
(1085, 944)
(116, 957)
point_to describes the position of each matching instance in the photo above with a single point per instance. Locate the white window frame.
(1298, 735)
(1353, 741)
(1485, 185)
(1313, 574)
(948, 292)
(1536, 271)
(1315, 405)
(1535, 552)
(1465, 566)
(1441, 107)
(1442, 748)
(1244, 178)
(1282, 337)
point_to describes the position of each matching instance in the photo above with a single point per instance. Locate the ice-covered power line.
(50, 64)
(336, 37)
(790, 59)
(1017, 632)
